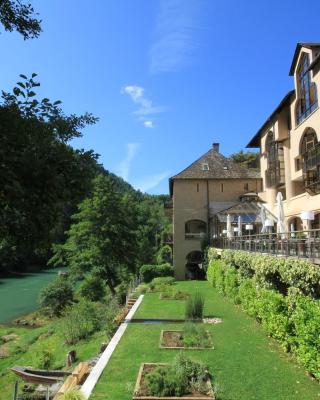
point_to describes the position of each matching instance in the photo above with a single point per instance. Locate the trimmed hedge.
(293, 317)
(279, 273)
(149, 272)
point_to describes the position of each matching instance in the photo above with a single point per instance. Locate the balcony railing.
(195, 235)
(300, 244)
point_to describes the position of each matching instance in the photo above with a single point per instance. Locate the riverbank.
(19, 293)
(30, 346)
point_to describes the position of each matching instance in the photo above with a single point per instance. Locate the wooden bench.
(73, 380)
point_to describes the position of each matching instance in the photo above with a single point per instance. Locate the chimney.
(216, 147)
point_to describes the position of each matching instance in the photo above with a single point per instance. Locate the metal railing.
(300, 244)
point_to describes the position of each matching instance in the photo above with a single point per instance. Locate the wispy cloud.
(124, 167)
(146, 106)
(151, 181)
(148, 124)
(175, 35)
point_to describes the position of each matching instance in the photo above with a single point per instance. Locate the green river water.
(19, 294)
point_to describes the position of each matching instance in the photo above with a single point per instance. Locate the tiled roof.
(219, 167)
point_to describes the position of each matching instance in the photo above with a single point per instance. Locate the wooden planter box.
(162, 345)
(136, 395)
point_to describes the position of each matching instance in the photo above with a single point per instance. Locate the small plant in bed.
(180, 378)
(193, 336)
(196, 335)
(171, 293)
(195, 307)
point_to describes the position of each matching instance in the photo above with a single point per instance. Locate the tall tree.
(19, 16)
(103, 236)
(42, 178)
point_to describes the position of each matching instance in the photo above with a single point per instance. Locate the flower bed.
(173, 339)
(142, 392)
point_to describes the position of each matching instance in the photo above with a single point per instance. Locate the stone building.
(289, 145)
(203, 195)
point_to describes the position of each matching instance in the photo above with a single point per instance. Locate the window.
(306, 91)
(205, 167)
(198, 187)
(310, 154)
(195, 229)
(221, 187)
(246, 186)
(275, 172)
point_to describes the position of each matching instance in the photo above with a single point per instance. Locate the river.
(19, 295)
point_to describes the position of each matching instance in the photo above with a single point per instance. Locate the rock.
(4, 351)
(8, 338)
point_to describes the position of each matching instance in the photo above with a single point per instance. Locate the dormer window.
(205, 167)
(306, 91)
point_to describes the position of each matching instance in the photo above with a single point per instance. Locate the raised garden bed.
(141, 391)
(173, 339)
(174, 295)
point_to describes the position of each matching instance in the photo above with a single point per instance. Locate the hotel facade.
(289, 143)
(215, 188)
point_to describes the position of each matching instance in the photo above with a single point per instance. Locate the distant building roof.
(309, 45)
(254, 142)
(213, 165)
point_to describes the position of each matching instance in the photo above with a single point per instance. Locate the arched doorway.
(194, 266)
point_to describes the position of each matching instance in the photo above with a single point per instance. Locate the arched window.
(306, 91)
(310, 154)
(195, 229)
(308, 142)
(271, 149)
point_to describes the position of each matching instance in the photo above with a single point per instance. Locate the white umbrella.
(229, 227)
(263, 217)
(281, 228)
(239, 226)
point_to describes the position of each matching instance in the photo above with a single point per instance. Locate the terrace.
(300, 244)
(245, 363)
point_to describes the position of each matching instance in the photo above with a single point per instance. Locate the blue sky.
(167, 78)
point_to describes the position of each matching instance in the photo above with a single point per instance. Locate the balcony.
(299, 244)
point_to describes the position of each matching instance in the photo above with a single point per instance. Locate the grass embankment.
(27, 349)
(246, 364)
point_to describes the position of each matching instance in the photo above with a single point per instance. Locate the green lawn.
(245, 363)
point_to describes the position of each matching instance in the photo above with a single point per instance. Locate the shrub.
(72, 395)
(231, 284)
(149, 272)
(161, 284)
(177, 378)
(56, 296)
(194, 307)
(195, 335)
(305, 340)
(272, 311)
(215, 275)
(248, 296)
(80, 321)
(93, 288)
(44, 358)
